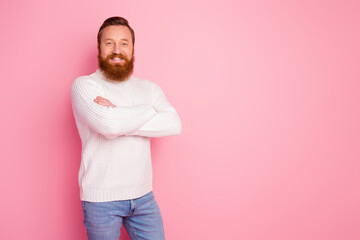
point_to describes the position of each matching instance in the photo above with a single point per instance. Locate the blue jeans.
(141, 218)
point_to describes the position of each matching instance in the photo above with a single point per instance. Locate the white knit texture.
(115, 158)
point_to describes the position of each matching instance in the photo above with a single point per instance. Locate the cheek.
(129, 53)
(104, 52)
(104, 55)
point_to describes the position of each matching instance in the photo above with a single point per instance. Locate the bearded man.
(116, 115)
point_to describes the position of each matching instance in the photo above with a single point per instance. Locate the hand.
(103, 101)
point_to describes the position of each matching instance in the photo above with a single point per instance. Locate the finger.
(99, 101)
(100, 98)
(105, 103)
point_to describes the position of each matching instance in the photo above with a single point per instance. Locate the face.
(116, 53)
(116, 40)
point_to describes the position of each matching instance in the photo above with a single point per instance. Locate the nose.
(116, 49)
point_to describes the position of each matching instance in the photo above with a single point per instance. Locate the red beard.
(116, 72)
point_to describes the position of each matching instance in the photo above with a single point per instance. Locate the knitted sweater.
(115, 156)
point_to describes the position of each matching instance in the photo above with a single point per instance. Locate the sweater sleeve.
(166, 122)
(107, 121)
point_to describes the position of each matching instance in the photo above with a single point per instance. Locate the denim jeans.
(141, 218)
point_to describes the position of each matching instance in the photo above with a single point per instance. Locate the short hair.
(115, 21)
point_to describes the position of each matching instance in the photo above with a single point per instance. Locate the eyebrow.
(123, 39)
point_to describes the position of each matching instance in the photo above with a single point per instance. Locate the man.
(116, 114)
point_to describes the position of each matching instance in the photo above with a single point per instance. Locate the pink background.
(268, 93)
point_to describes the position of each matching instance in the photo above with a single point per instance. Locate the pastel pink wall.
(268, 93)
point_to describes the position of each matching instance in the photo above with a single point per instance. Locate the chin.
(116, 64)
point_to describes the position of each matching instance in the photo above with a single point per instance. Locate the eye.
(124, 44)
(108, 43)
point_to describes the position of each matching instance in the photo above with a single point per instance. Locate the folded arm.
(165, 122)
(107, 121)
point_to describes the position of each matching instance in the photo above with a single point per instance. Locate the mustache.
(122, 56)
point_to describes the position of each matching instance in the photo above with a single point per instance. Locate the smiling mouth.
(117, 60)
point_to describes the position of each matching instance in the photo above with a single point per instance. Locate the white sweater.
(115, 157)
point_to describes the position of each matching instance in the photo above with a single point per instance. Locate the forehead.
(116, 32)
